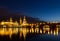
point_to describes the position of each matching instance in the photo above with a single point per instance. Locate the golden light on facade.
(32, 26)
(20, 21)
(11, 19)
(57, 26)
(2, 23)
(40, 23)
(46, 27)
(37, 25)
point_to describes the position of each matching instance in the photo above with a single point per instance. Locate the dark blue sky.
(48, 10)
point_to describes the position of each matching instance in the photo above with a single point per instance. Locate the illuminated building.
(11, 20)
(46, 28)
(13, 24)
(9, 23)
(5, 30)
(20, 20)
(24, 22)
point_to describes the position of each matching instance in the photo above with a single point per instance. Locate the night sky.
(48, 10)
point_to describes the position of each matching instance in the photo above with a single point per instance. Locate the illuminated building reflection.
(10, 28)
(24, 31)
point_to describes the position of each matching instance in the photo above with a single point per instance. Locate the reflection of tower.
(20, 20)
(24, 20)
(10, 19)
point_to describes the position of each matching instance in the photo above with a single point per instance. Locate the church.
(14, 24)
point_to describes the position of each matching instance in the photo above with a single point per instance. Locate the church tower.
(10, 19)
(24, 20)
(20, 20)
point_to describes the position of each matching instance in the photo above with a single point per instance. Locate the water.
(37, 34)
(43, 37)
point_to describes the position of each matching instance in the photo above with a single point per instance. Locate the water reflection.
(25, 31)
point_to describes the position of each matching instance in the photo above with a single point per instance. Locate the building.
(14, 24)
(9, 23)
(24, 23)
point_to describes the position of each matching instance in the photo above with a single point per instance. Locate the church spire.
(20, 20)
(24, 20)
(10, 19)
